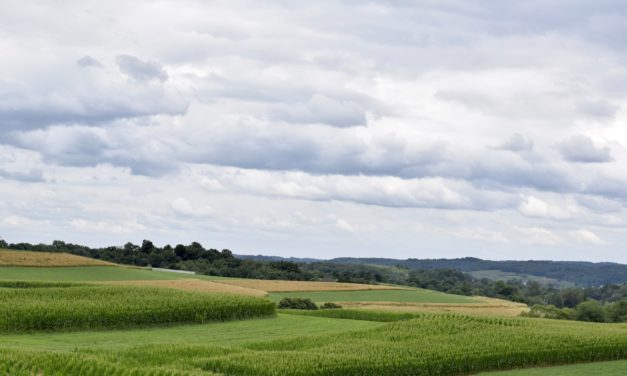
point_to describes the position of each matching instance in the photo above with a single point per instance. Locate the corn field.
(104, 307)
(430, 344)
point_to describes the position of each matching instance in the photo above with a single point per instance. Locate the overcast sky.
(494, 129)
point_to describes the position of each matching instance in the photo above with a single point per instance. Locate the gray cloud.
(583, 150)
(516, 142)
(141, 70)
(372, 120)
(88, 61)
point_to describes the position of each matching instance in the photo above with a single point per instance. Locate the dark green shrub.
(590, 310)
(297, 303)
(329, 305)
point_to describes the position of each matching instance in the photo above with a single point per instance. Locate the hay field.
(46, 259)
(196, 285)
(296, 286)
(483, 307)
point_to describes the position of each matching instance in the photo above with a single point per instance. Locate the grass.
(86, 274)
(223, 334)
(615, 368)
(94, 307)
(354, 314)
(402, 296)
(45, 259)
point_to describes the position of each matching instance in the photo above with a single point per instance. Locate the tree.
(590, 310)
(147, 246)
(617, 312)
(3, 244)
(572, 297)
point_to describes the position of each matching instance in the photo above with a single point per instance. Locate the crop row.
(431, 344)
(105, 307)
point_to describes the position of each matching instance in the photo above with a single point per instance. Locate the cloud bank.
(323, 129)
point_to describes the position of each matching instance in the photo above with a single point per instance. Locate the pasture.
(84, 274)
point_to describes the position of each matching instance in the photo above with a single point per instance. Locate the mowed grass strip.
(216, 333)
(106, 307)
(196, 285)
(287, 286)
(85, 274)
(402, 296)
(615, 368)
(46, 259)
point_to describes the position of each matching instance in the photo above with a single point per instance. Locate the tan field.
(291, 286)
(197, 285)
(20, 258)
(488, 307)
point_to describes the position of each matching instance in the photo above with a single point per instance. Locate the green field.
(401, 296)
(97, 307)
(87, 273)
(615, 368)
(298, 343)
(224, 334)
(432, 344)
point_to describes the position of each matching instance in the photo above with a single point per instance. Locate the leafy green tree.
(617, 312)
(590, 310)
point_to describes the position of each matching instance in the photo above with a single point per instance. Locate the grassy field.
(85, 274)
(402, 296)
(45, 259)
(223, 334)
(615, 368)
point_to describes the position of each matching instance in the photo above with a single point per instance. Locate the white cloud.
(539, 236)
(337, 129)
(586, 236)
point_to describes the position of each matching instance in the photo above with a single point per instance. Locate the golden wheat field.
(46, 259)
(292, 286)
(196, 285)
(486, 307)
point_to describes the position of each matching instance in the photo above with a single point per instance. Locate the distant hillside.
(563, 273)
(277, 258)
(577, 272)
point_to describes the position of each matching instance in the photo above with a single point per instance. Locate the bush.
(548, 312)
(590, 310)
(329, 305)
(297, 303)
(617, 312)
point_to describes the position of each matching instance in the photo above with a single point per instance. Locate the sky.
(404, 129)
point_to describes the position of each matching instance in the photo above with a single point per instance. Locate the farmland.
(46, 259)
(96, 320)
(402, 296)
(102, 307)
(615, 368)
